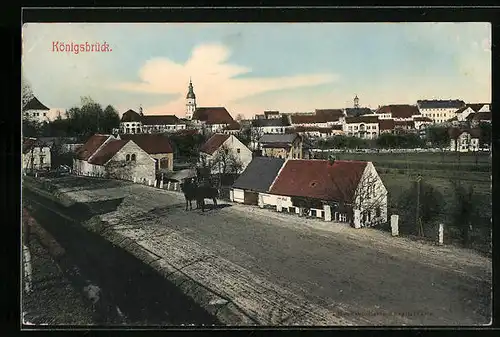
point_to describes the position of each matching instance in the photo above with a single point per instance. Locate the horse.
(189, 189)
(206, 192)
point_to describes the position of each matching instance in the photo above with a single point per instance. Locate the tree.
(110, 119)
(420, 204)
(465, 210)
(239, 117)
(485, 136)
(226, 161)
(26, 91)
(438, 136)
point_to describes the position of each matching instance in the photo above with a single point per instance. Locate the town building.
(364, 126)
(270, 126)
(36, 155)
(36, 111)
(282, 146)
(398, 112)
(157, 146)
(212, 119)
(134, 123)
(223, 153)
(111, 157)
(440, 111)
(464, 140)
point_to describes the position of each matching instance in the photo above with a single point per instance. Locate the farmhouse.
(36, 155)
(107, 156)
(344, 191)
(464, 140)
(256, 179)
(270, 126)
(157, 146)
(224, 153)
(282, 146)
(232, 129)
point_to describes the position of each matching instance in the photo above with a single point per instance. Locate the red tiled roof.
(422, 119)
(150, 143)
(213, 115)
(362, 119)
(410, 124)
(400, 110)
(213, 143)
(319, 179)
(303, 119)
(328, 115)
(92, 144)
(108, 151)
(386, 124)
(160, 120)
(233, 126)
(130, 116)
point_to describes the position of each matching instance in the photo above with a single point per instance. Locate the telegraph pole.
(417, 219)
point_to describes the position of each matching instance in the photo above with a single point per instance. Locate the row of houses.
(342, 191)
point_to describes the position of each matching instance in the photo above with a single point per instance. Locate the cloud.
(215, 80)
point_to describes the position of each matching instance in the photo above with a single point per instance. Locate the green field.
(399, 170)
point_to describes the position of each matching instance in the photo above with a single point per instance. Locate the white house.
(133, 123)
(36, 155)
(342, 191)
(272, 125)
(464, 140)
(210, 152)
(35, 110)
(365, 127)
(439, 111)
(398, 112)
(107, 156)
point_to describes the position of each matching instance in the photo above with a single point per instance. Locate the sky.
(252, 67)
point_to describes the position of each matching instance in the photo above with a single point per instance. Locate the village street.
(282, 269)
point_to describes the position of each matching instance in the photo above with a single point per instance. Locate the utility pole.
(417, 219)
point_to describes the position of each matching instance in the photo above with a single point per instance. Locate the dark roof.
(190, 93)
(386, 124)
(150, 143)
(400, 110)
(213, 143)
(440, 104)
(131, 116)
(91, 146)
(481, 116)
(270, 122)
(303, 119)
(319, 179)
(233, 126)
(34, 104)
(269, 113)
(160, 120)
(278, 139)
(30, 143)
(362, 119)
(423, 119)
(213, 115)
(354, 112)
(456, 132)
(108, 151)
(328, 115)
(259, 174)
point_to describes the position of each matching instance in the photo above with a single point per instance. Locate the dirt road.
(288, 267)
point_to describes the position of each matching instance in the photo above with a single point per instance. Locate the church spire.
(190, 93)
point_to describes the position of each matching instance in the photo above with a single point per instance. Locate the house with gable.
(343, 191)
(212, 119)
(132, 122)
(365, 126)
(36, 110)
(211, 153)
(290, 145)
(464, 140)
(157, 146)
(256, 179)
(111, 157)
(263, 126)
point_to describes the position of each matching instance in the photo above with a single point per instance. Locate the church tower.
(356, 102)
(190, 101)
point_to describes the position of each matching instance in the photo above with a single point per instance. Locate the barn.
(255, 180)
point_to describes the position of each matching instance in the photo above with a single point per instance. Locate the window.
(378, 212)
(133, 157)
(238, 150)
(343, 218)
(127, 157)
(45, 114)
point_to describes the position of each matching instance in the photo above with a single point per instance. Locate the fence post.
(149, 182)
(161, 183)
(168, 185)
(328, 212)
(394, 225)
(279, 208)
(231, 195)
(156, 183)
(440, 234)
(135, 180)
